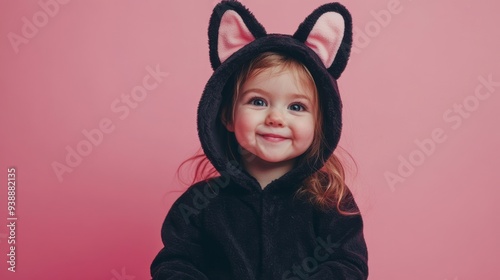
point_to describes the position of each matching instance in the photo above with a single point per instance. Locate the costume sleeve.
(343, 246)
(181, 258)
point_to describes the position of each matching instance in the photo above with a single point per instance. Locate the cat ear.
(231, 27)
(328, 32)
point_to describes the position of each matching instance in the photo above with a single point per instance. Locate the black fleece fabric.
(229, 227)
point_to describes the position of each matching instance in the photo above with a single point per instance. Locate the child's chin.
(279, 159)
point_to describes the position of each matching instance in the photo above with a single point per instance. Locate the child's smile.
(274, 116)
(273, 137)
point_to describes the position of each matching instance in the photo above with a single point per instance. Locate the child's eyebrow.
(301, 95)
(261, 91)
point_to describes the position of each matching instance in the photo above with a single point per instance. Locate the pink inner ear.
(233, 35)
(326, 36)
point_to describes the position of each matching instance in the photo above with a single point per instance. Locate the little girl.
(275, 205)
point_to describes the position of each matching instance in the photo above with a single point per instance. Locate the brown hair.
(325, 188)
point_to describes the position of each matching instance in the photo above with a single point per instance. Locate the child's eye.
(257, 101)
(298, 107)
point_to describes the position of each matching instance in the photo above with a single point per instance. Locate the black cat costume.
(230, 227)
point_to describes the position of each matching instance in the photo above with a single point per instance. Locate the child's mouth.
(273, 137)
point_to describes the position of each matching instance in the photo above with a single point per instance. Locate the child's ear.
(231, 27)
(228, 125)
(328, 32)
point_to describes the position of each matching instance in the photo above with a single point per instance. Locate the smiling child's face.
(274, 116)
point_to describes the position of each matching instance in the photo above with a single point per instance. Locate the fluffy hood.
(322, 43)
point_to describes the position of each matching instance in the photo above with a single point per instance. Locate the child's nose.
(275, 118)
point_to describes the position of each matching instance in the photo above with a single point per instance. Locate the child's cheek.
(305, 131)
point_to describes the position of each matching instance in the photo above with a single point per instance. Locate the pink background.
(405, 79)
